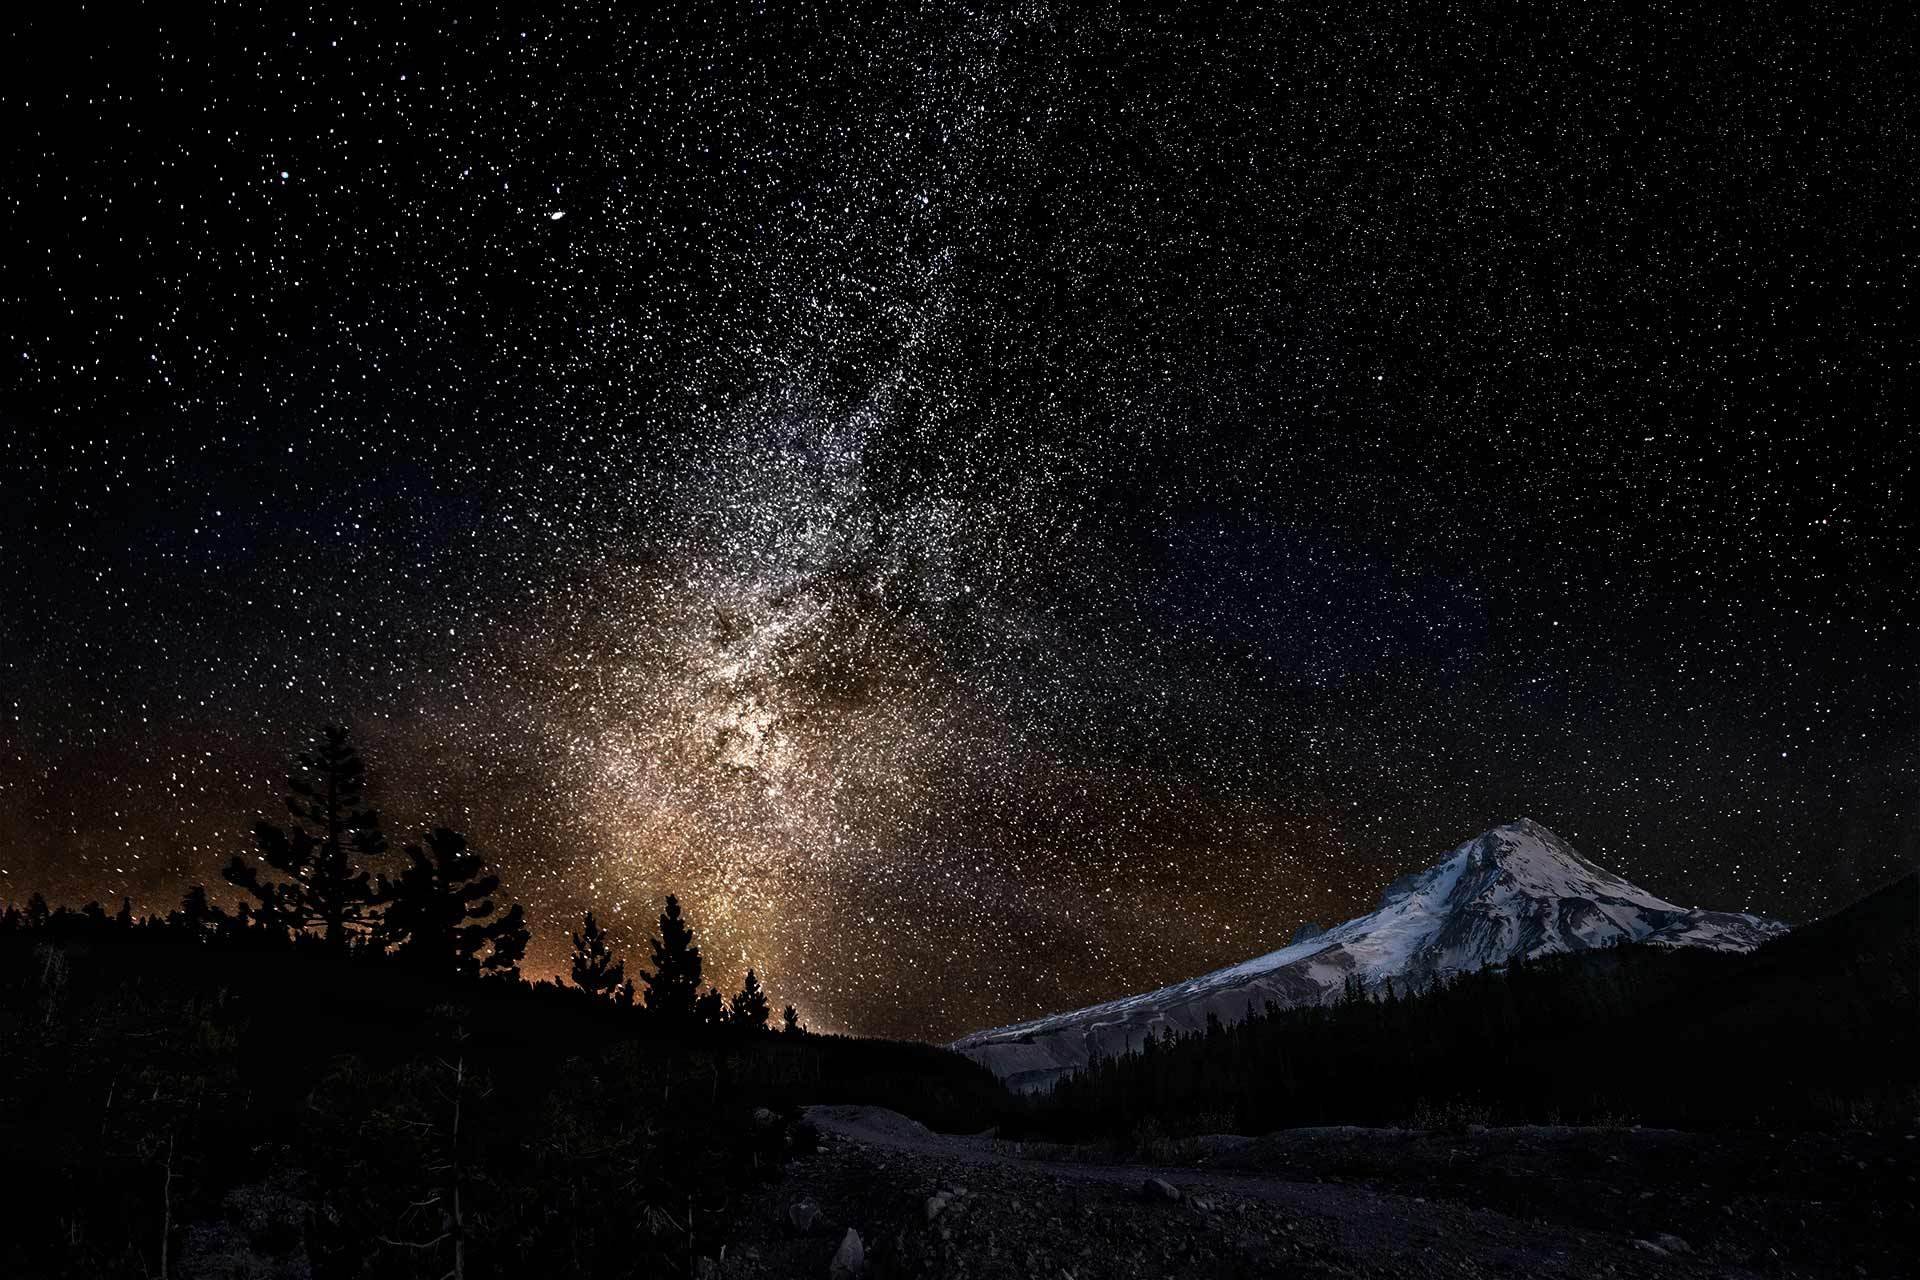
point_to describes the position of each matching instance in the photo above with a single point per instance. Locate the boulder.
(1672, 1243)
(850, 1259)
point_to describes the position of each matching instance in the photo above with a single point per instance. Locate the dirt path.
(1001, 1212)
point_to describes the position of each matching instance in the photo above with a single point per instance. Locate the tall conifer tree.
(323, 883)
(750, 1007)
(673, 987)
(440, 913)
(595, 968)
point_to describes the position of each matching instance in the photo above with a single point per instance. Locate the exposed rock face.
(1517, 891)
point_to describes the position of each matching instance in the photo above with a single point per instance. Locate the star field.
(997, 507)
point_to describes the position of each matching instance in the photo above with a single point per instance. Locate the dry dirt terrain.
(1548, 1202)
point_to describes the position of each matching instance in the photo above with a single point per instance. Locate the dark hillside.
(271, 1108)
(1820, 1025)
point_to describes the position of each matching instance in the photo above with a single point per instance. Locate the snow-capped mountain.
(1515, 891)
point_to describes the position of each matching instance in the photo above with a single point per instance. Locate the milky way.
(997, 506)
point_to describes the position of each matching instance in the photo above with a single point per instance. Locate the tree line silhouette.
(316, 882)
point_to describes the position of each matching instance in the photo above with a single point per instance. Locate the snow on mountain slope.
(1515, 891)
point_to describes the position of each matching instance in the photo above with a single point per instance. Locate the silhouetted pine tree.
(439, 913)
(673, 987)
(321, 885)
(595, 970)
(710, 1010)
(790, 1022)
(750, 1007)
(37, 911)
(196, 913)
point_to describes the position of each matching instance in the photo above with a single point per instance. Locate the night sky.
(997, 506)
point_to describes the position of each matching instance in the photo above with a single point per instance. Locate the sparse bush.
(1451, 1115)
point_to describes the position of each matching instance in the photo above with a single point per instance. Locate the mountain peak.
(1531, 857)
(1515, 891)
(1530, 860)
(1523, 839)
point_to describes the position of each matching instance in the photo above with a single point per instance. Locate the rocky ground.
(882, 1197)
(1765, 1203)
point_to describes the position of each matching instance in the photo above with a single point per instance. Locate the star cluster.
(997, 506)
